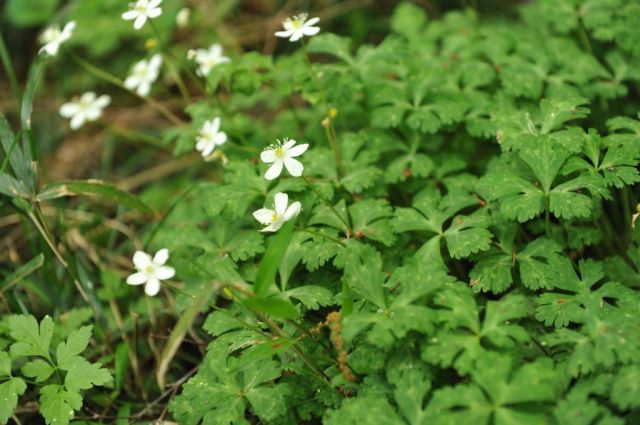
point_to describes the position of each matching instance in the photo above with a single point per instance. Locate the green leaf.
(500, 389)
(31, 340)
(10, 388)
(577, 302)
(83, 375)
(271, 260)
(370, 220)
(412, 382)
(57, 405)
(77, 342)
(364, 410)
(9, 392)
(312, 296)
(38, 369)
(273, 306)
(625, 391)
(462, 338)
(333, 45)
(95, 188)
(467, 235)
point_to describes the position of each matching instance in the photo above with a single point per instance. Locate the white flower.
(52, 38)
(151, 271)
(87, 108)
(283, 154)
(208, 58)
(182, 18)
(210, 137)
(275, 219)
(143, 74)
(297, 27)
(142, 10)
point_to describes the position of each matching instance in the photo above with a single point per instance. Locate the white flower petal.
(88, 97)
(156, 61)
(292, 211)
(312, 21)
(215, 50)
(129, 15)
(137, 278)
(69, 109)
(208, 149)
(273, 227)
(274, 171)
(132, 82)
(93, 113)
(297, 150)
(77, 121)
(215, 125)
(165, 272)
(103, 101)
(154, 13)
(141, 260)
(220, 138)
(268, 156)
(280, 202)
(161, 256)
(69, 27)
(284, 34)
(143, 89)
(139, 22)
(202, 143)
(288, 145)
(152, 287)
(310, 31)
(264, 215)
(294, 167)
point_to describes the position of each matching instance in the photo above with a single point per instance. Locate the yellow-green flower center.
(279, 152)
(274, 217)
(296, 23)
(149, 268)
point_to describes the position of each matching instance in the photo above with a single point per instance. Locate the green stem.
(626, 208)
(328, 204)
(103, 75)
(314, 233)
(175, 70)
(327, 123)
(547, 219)
(11, 74)
(584, 38)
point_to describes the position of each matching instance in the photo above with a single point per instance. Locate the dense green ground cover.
(429, 219)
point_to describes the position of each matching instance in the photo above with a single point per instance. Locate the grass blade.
(96, 188)
(22, 272)
(266, 274)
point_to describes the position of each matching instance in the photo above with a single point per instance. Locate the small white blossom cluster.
(142, 10)
(53, 37)
(298, 26)
(210, 137)
(151, 271)
(281, 155)
(143, 75)
(86, 108)
(207, 59)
